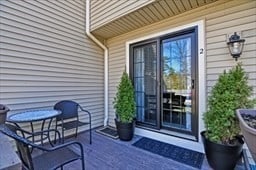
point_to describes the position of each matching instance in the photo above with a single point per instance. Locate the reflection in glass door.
(177, 82)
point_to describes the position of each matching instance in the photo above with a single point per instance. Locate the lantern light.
(235, 45)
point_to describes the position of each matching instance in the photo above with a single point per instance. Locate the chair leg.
(55, 134)
(76, 131)
(82, 157)
(90, 123)
(62, 130)
(90, 134)
(83, 166)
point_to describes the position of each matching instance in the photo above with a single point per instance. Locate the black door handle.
(192, 83)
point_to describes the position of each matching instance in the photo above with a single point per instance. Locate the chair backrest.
(68, 108)
(21, 144)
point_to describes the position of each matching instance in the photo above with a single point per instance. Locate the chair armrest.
(84, 110)
(62, 146)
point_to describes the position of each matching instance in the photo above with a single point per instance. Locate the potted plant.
(247, 122)
(3, 112)
(124, 104)
(222, 139)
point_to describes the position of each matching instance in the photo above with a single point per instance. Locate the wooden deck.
(109, 154)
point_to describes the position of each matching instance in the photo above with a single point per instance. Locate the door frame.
(201, 62)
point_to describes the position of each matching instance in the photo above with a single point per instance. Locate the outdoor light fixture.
(235, 45)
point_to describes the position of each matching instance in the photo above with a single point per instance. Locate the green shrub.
(229, 93)
(124, 102)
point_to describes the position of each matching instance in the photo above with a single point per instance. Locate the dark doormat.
(108, 131)
(182, 155)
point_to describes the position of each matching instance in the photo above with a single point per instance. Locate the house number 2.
(201, 50)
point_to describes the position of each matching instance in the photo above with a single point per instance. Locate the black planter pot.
(125, 131)
(222, 157)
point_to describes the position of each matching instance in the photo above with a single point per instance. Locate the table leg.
(48, 133)
(42, 134)
(32, 131)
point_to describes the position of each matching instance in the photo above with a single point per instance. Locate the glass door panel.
(176, 83)
(144, 77)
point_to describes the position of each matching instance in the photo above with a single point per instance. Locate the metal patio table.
(34, 117)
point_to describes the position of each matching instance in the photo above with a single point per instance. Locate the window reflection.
(177, 83)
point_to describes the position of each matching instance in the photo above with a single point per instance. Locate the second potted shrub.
(124, 104)
(222, 141)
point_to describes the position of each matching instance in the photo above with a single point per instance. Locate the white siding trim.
(201, 79)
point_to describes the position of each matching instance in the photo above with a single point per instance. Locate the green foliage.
(229, 93)
(124, 102)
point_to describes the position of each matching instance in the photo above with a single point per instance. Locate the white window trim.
(201, 79)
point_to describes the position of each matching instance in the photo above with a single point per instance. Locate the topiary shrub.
(124, 102)
(229, 93)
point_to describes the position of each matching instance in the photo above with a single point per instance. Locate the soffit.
(149, 14)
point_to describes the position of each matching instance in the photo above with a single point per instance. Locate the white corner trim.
(201, 79)
(201, 76)
(127, 56)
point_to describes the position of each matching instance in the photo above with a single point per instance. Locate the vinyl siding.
(46, 57)
(105, 11)
(141, 15)
(242, 19)
(221, 18)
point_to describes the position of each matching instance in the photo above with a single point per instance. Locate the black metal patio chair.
(51, 158)
(69, 119)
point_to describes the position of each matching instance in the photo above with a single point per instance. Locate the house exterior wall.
(220, 19)
(104, 11)
(46, 57)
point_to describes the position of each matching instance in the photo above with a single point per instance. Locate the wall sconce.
(235, 45)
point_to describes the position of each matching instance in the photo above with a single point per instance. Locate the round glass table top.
(33, 115)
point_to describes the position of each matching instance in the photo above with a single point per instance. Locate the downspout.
(87, 26)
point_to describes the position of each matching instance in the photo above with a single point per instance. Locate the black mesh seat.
(69, 119)
(52, 158)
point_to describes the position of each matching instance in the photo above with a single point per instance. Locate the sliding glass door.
(164, 76)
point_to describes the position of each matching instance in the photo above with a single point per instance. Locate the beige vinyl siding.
(242, 19)
(221, 18)
(105, 11)
(46, 57)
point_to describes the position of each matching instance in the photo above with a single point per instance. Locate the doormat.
(108, 131)
(179, 154)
